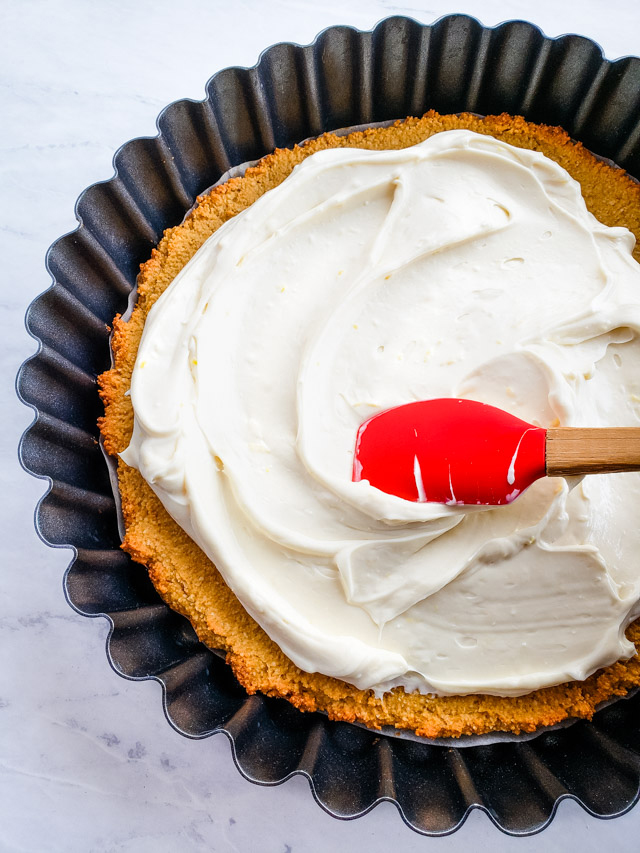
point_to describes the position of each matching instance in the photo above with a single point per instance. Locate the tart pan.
(346, 77)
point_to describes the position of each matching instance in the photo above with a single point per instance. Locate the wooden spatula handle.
(574, 450)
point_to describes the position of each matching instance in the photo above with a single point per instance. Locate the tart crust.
(189, 582)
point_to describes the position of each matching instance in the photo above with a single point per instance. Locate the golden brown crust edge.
(188, 581)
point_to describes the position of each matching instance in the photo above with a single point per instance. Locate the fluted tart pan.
(345, 78)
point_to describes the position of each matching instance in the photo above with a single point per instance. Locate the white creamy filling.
(460, 267)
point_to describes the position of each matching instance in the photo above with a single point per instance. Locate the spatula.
(464, 452)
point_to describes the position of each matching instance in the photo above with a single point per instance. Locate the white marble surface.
(87, 760)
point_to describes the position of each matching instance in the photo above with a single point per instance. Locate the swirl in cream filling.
(460, 267)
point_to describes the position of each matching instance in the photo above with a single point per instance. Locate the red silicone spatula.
(465, 452)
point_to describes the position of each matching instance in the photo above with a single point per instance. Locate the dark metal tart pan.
(346, 77)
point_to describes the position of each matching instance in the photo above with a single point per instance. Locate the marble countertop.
(87, 760)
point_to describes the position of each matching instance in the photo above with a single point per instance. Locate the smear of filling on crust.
(459, 267)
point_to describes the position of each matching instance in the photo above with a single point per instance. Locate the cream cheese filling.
(459, 267)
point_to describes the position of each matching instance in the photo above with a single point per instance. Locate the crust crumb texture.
(188, 581)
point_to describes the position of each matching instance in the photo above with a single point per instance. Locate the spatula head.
(449, 451)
